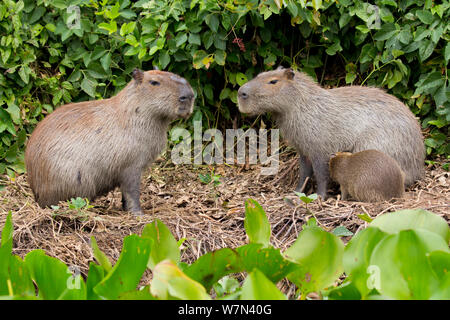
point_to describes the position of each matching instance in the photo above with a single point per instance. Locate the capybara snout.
(87, 149)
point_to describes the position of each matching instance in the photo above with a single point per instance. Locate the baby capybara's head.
(267, 91)
(171, 94)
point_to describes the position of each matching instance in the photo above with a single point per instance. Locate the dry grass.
(208, 217)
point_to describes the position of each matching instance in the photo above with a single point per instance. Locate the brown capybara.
(319, 122)
(87, 149)
(367, 176)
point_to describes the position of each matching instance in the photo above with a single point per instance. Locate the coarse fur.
(367, 176)
(319, 122)
(87, 149)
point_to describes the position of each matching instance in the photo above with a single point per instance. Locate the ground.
(209, 217)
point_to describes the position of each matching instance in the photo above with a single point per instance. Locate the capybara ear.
(138, 75)
(289, 73)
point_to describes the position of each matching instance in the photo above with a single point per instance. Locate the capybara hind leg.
(306, 171)
(130, 187)
(322, 174)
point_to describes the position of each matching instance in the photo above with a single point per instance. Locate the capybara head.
(335, 161)
(165, 91)
(266, 91)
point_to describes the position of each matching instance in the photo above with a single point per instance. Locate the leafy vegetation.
(49, 57)
(401, 255)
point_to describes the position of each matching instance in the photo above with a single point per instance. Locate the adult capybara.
(87, 149)
(368, 175)
(319, 122)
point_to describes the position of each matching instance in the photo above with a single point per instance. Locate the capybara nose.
(242, 94)
(186, 97)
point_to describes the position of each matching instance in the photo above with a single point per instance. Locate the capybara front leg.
(130, 187)
(322, 174)
(306, 171)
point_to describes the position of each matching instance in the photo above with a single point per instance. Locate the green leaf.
(357, 255)
(257, 287)
(194, 38)
(128, 270)
(342, 231)
(106, 61)
(387, 31)
(164, 59)
(241, 78)
(267, 260)
(212, 21)
(7, 231)
(440, 262)
(24, 73)
(53, 278)
(394, 222)
(89, 86)
(401, 264)
(163, 246)
(345, 291)
(318, 255)
(95, 275)
(169, 282)
(447, 52)
(141, 294)
(425, 16)
(211, 267)
(100, 256)
(110, 27)
(256, 224)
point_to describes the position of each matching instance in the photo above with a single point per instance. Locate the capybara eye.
(154, 83)
(273, 81)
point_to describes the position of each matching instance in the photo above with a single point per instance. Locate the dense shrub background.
(217, 45)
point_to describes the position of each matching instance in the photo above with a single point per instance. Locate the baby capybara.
(87, 149)
(367, 176)
(319, 122)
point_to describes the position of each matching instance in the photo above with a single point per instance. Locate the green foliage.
(49, 57)
(408, 261)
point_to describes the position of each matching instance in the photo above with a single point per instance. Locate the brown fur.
(87, 149)
(319, 122)
(368, 176)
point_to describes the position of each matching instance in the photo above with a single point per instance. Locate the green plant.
(77, 205)
(47, 59)
(401, 255)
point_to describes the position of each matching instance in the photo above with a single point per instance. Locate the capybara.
(319, 122)
(87, 149)
(367, 176)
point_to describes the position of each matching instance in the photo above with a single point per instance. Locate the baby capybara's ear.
(289, 73)
(138, 75)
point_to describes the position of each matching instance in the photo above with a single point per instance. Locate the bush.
(401, 255)
(48, 58)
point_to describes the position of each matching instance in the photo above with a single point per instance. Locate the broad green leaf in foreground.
(53, 278)
(440, 262)
(393, 222)
(401, 265)
(164, 246)
(256, 223)
(169, 282)
(211, 267)
(269, 261)
(100, 256)
(318, 255)
(96, 274)
(7, 231)
(128, 270)
(357, 255)
(257, 287)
